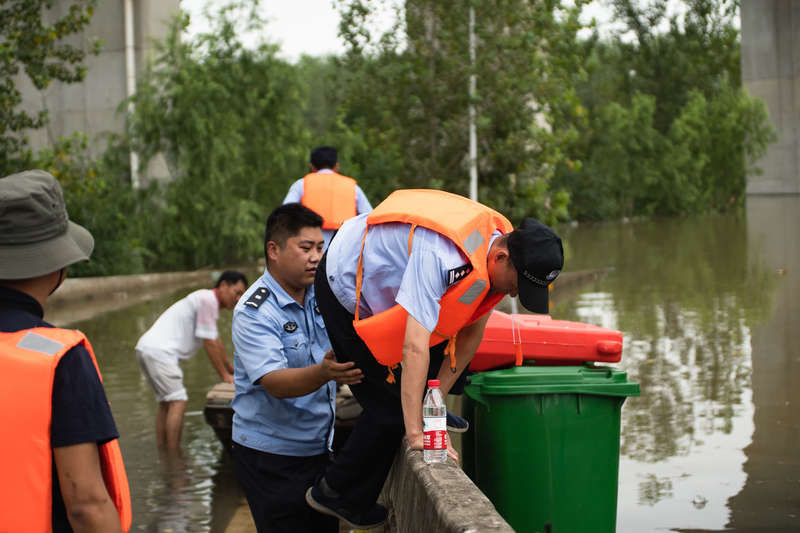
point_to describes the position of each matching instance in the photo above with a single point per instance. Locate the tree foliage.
(227, 118)
(651, 120)
(98, 196)
(663, 126)
(406, 96)
(32, 44)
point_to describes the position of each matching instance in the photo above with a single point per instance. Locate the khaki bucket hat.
(36, 236)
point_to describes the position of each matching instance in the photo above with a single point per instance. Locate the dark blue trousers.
(275, 486)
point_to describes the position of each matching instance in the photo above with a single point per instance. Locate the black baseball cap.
(537, 254)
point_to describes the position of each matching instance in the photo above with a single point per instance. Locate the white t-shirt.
(180, 330)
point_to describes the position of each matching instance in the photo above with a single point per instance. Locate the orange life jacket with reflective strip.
(28, 361)
(330, 195)
(470, 226)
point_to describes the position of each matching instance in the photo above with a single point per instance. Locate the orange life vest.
(28, 360)
(470, 226)
(332, 196)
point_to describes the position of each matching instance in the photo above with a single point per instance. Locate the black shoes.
(456, 424)
(325, 500)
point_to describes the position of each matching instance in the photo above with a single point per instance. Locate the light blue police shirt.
(295, 194)
(416, 282)
(271, 331)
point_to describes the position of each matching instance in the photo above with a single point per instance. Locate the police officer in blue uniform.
(414, 274)
(285, 375)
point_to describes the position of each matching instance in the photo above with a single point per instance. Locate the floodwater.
(710, 312)
(195, 491)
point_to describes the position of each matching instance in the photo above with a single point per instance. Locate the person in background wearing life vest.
(61, 466)
(332, 196)
(414, 281)
(176, 335)
(285, 401)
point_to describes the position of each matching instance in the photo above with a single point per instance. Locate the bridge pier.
(771, 71)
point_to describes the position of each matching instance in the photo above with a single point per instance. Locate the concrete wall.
(83, 298)
(439, 497)
(91, 107)
(770, 70)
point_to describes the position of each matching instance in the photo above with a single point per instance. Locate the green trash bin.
(543, 445)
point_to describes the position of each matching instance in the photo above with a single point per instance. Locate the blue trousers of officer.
(275, 487)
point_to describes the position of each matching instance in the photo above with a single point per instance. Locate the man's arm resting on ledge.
(416, 357)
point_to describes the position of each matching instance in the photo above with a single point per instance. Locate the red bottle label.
(434, 436)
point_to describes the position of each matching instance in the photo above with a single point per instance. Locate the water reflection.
(194, 490)
(687, 295)
(770, 498)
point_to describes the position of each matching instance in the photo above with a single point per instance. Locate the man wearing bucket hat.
(414, 282)
(62, 468)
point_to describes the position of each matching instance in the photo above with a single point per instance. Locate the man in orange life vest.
(61, 464)
(413, 282)
(332, 196)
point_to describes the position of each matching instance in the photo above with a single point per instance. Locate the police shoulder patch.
(457, 274)
(258, 297)
(290, 327)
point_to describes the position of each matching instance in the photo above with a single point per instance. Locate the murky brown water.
(710, 314)
(195, 492)
(710, 311)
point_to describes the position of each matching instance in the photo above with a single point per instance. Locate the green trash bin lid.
(604, 381)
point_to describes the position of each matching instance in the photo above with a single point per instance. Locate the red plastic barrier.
(545, 341)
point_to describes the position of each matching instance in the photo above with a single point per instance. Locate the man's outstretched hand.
(341, 373)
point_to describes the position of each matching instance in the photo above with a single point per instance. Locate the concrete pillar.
(91, 107)
(771, 71)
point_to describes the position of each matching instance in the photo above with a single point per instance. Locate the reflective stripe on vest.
(332, 196)
(28, 361)
(470, 226)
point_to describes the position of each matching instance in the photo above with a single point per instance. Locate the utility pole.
(130, 81)
(473, 137)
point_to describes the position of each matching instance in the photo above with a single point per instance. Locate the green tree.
(98, 196)
(407, 96)
(663, 126)
(32, 41)
(700, 49)
(228, 120)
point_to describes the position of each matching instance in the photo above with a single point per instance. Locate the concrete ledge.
(74, 289)
(437, 497)
(84, 298)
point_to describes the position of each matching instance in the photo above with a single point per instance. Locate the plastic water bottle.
(434, 423)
